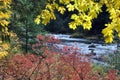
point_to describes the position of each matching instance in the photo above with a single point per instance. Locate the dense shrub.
(51, 65)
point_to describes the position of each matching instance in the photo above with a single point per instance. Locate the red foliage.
(18, 66)
(52, 39)
(40, 37)
(111, 75)
(51, 65)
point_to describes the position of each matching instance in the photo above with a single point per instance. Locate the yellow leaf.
(70, 7)
(74, 17)
(37, 21)
(72, 25)
(3, 54)
(87, 25)
(64, 1)
(4, 23)
(109, 39)
(61, 10)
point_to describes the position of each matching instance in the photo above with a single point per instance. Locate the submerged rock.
(92, 45)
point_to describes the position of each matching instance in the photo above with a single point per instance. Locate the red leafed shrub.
(18, 67)
(40, 37)
(44, 43)
(51, 65)
(78, 69)
(111, 75)
(52, 39)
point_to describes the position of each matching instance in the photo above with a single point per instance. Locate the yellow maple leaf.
(61, 10)
(72, 25)
(70, 7)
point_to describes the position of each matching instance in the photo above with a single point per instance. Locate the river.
(97, 49)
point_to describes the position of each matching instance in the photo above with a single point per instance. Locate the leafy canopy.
(5, 14)
(87, 10)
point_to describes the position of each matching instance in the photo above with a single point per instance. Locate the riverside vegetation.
(47, 63)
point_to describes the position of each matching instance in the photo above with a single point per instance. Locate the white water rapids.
(98, 48)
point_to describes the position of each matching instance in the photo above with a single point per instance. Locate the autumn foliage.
(50, 64)
(87, 10)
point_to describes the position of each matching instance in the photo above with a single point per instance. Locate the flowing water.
(87, 46)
